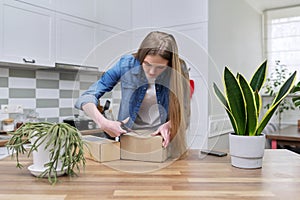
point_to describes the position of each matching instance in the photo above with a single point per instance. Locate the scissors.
(126, 128)
(123, 126)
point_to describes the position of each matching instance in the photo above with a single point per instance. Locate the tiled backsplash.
(50, 93)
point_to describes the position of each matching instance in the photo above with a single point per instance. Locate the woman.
(155, 92)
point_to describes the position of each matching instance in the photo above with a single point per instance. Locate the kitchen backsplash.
(50, 93)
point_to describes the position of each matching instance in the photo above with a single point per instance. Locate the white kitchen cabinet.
(27, 34)
(75, 40)
(50, 4)
(111, 44)
(85, 9)
(115, 13)
(166, 13)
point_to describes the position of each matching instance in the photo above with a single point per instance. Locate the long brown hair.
(164, 44)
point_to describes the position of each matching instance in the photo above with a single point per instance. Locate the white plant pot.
(246, 151)
(42, 156)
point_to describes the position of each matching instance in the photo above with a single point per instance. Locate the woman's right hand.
(112, 128)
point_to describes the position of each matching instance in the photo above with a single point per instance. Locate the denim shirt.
(134, 84)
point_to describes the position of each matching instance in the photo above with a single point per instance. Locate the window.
(282, 43)
(282, 38)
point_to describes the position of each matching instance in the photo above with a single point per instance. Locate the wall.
(234, 40)
(50, 93)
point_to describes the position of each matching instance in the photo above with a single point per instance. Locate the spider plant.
(242, 100)
(63, 141)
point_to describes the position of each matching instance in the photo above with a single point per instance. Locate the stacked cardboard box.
(101, 149)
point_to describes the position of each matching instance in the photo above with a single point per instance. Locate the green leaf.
(283, 92)
(220, 95)
(223, 100)
(285, 88)
(235, 101)
(258, 101)
(259, 77)
(250, 106)
(296, 100)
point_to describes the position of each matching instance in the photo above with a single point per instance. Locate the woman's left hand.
(165, 131)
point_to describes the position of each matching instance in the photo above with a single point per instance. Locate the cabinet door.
(85, 9)
(27, 34)
(75, 40)
(111, 43)
(42, 3)
(167, 13)
(115, 13)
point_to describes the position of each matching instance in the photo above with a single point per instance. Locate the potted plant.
(57, 148)
(242, 103)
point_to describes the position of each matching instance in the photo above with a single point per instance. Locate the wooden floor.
(196, 177)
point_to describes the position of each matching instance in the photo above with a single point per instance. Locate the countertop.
(194, 177)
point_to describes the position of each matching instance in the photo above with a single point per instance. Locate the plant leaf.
(283, 92)
(296, 101)
(258, 101)
(259, 77)
(220, 95)
(223, 100)
(251, 106)
(235, 101)
(285, 88)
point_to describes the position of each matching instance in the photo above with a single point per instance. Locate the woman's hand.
(113, 128)
(165, 131)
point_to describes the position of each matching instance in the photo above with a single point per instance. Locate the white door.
(27, 33)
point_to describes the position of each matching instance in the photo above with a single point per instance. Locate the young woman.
(155, 92)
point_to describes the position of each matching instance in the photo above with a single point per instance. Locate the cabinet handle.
(28, 61)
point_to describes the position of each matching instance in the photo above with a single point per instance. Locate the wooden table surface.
(195, 177)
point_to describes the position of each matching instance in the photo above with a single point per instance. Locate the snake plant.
(242, 100)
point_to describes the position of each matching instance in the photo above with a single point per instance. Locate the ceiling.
(262, 5)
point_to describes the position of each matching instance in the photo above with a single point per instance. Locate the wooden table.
(285, 136)
(195, 177)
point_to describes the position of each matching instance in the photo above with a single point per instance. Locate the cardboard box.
(101, 149)
(142, 148)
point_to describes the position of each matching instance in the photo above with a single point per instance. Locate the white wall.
(234, 40)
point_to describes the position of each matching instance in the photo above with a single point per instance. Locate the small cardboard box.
(142, 148)
(101, 149)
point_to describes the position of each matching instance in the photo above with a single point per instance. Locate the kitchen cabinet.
(50, 4)
(115, 13)
(27, 34)
(111, 43)
(167, 13)
(75, 40)
(85, 9)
